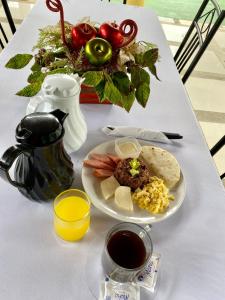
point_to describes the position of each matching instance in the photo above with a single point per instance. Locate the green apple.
(98, 51)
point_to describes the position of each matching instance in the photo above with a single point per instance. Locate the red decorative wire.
(132, 32)
(56, 6)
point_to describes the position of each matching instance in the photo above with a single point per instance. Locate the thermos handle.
(7, 161)
(35, 103)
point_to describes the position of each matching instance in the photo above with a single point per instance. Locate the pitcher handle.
(7, 161)
(35, 103)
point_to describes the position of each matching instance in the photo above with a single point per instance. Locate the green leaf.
(30, 90)
(112, 93)
(58, 64)
(100, 90)
(39, 76)
(60, 71)
(60, 53)
(122, 82)
(36, 76)
(139, 59)
(139, 76)
(93, 78)
(19, 61)
(152, 69)
(142, 94)
(36, 67)
(127, 101)
(151, 56)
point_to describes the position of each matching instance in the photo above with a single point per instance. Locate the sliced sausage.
(102, 157)
(102, 173)
(114, 158)
(92, 163)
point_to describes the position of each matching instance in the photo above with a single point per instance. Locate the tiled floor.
(206, 86)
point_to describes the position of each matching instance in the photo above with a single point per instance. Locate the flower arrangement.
(106, 56)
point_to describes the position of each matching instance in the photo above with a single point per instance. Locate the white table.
(33, 263)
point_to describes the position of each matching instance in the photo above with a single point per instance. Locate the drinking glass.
(116, 271)
(71, 214)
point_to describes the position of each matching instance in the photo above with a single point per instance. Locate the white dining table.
(34, 264)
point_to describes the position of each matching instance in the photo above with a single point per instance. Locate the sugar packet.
(112, 290)
(148, 277)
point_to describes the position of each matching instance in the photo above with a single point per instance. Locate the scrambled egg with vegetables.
(154, 197)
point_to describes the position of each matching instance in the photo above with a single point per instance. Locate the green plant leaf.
(112, 93)
(127, 101)
(39, 76)
(19, 61)
(142, 93)
(36, 67)
(122, 82)
(60, 71)
(77, 64)
(151, 56)
(139, 59)
(139, 76)
(30, 90)
(152, 69)
(47, 59)
(58, 64)
(50, 36)
(100, 90)
(36, 76)
(93, 78)
(60, 53)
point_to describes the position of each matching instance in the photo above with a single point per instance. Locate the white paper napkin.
(140, 133)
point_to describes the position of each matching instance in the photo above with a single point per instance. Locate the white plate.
(92, 187)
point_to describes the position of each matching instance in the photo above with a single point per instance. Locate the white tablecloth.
(33, 263)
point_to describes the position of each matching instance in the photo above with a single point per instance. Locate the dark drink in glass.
(128, 247)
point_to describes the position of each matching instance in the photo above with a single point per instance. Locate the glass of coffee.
(128, 247)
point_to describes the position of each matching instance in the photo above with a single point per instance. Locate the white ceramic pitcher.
(61, 91)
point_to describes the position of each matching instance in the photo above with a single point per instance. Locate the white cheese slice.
(123, 198)
(108, 187)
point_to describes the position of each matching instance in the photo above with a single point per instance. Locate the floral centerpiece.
(106, 56)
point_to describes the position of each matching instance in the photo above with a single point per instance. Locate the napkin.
(140, 133)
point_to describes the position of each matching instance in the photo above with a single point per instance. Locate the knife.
(169, 135)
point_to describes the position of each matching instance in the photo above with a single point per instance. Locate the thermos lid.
(41, 129)
(61, 85)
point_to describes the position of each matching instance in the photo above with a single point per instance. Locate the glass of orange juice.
(71, 214)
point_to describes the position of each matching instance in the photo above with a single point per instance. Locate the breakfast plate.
(91, 185)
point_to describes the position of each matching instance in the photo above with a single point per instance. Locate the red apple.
(82, 33)
(111, 33)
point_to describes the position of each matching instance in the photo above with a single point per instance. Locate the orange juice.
(72, 218)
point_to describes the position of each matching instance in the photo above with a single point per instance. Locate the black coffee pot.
(43, 169)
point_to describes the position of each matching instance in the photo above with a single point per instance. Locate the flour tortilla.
(163, 164)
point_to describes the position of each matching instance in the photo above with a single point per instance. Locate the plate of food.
(132, 181)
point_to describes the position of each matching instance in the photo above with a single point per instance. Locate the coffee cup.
(128, 248)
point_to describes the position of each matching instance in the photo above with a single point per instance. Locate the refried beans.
(123, 176)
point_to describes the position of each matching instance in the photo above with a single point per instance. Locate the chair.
(216, 148)
(4, 35)
(203, 28)
(10, 21)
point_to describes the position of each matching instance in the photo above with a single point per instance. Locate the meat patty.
(123, 176)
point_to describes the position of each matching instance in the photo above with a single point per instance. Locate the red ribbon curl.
(56, 6)
(132, 32)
